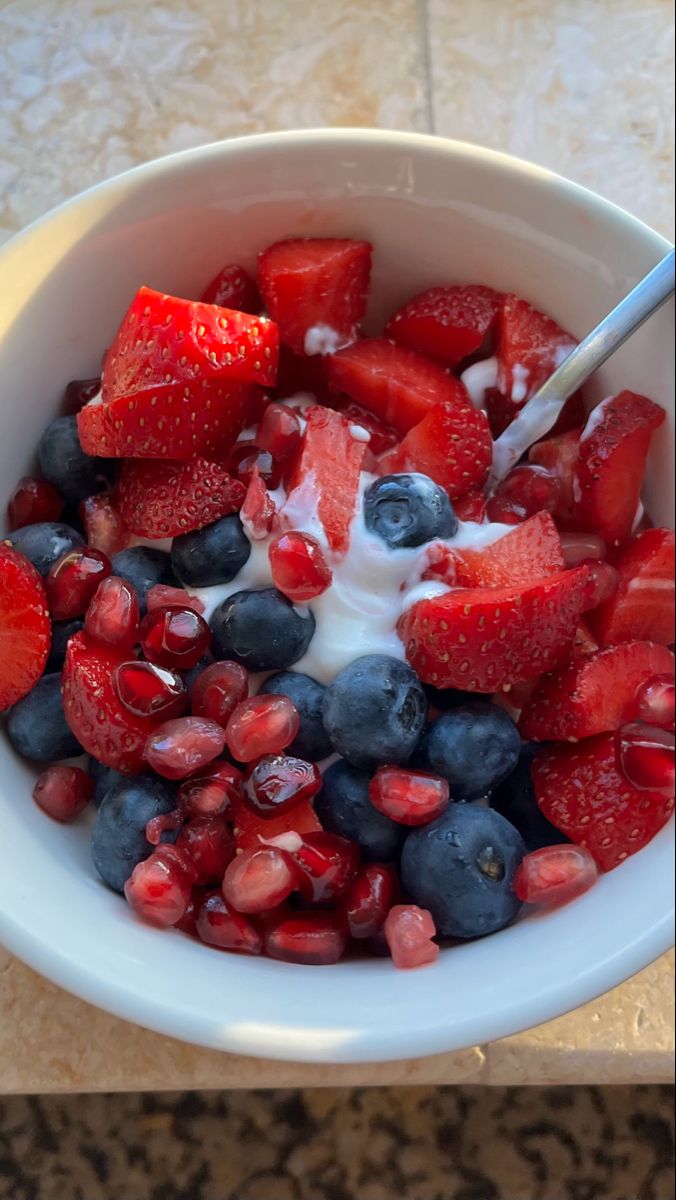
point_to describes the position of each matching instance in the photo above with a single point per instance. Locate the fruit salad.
(320, 688)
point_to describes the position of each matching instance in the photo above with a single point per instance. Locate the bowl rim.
(375, 1043)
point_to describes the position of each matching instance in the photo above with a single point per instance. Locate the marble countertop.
(95, 86)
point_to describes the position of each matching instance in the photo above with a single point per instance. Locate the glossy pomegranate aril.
(582, 547)
(188, 922)
(73, 580)
(261, 725)
(113, 615)
(223, 927)
(298, 566)
(326, 864)
(368, 900)
(33, 501)
(277, 782)
(218, 689)
(603, 583)
(159, 888)
(646, 757)
(655, 702)
(164, 596)
(258, 880)
(409, 797)
(245, 457)
(214, 790)
(527, 490)
(63, 792)
(180, 747)
(150, 691)
(78, 393)
(409, 931)
(103, 524)
(555, 874)
(175, 637)
(311, 939)
(208, 846)
(279, 431)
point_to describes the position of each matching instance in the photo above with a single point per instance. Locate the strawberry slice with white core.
(325, 476)
(164, 499)
(25, 627)
(531, 551)
(452, 444)
(643, 605)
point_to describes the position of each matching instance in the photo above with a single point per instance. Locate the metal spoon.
(538, 416)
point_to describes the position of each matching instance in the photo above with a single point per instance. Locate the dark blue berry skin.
(474, 747)
(215, 554)
(261, 629)
(104, 778)
(515, 799)
(190, 677)
(37, 727)
(62, 631)
(408, 510)
(461, 867)
(144, 567)
(447, 698)
(374, 711)
(343, 807)
(119, 840)
(64, 463)
(312, 742)
(44, 543)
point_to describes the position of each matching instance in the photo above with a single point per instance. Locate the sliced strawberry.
(234, 288)
(583, 792)
(259, 510)
(531, 551)
(249, 828)
(452, 445)
(383, 437)
(595, 694)
(559, 455)
(164, 499)
(481, 640)
(25, 627)
(530, 348)
(103, 727)
(327, 467)
(471, 507)
(297, 373)
(643, 605)
(447, 322)
(177, 378)
(613, 451)
(398, 385)
(585, 643)
(314, 283)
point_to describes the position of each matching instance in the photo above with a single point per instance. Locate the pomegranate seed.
(208, 846)
(175, 637)
(258, 880)
(646, 756)
(245, 457)
(163, 596)
(311, 939)
(63, 792)
(218, 690)
(409, 931)
(603, 583)
(527, 490)
(159, 888)
(103, 524)
(73, 580)
(325, 863)
(261, 725)
(188, 922)
(180, 747)
(655, 702)
(555, 874)
(211, 792)
(368, 900)
(582, 547)
(299, 568)
(78, 393)
(278, 782)
(32, 501)
(221, 926)
(113, 615)
(279, 431)
(259, 510)
(150, 691)
(164, 823)
(410, 797)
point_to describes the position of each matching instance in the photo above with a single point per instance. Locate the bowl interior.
(436, 212)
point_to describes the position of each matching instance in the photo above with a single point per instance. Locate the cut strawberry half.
(532, 551)
(233, 287)
(25, 627)
(316, 290)
(559, 455)
(583, 792)
(164, 499)
(449, 323)
(102, 725)
(613, 451)
(643, 605)
(177, 378)
(485, 639)
(452, 445)
(252, 830)
(530, 346)
(297, 373)
(595, 694)
(327, 467)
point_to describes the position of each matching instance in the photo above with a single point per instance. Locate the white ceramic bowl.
(436, 211)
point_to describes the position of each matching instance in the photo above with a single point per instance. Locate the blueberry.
(189, 677)
(44, 543)
(143, 567)
(64, 463)
(515, 799)
(62, 632)
(474, 747)
(312, 742)
(37, 727)
(104, 778)
(215, 554)
(261, 629)
(343, 807)
(461, 867)
(408, 510)
(374, 711)
(445, 698)
(119, 840)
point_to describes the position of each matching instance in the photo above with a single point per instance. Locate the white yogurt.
(322, 339)
(479, 378)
